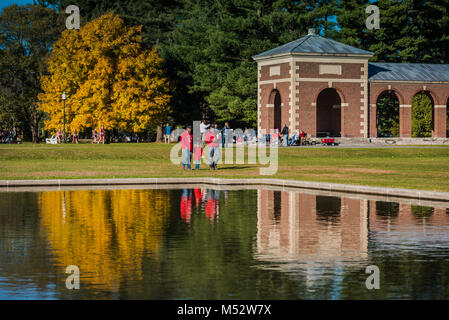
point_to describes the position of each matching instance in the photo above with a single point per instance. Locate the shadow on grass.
(234, 167)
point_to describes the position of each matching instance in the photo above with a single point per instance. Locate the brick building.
(327, 88)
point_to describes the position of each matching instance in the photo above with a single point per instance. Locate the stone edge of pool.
(397, 192)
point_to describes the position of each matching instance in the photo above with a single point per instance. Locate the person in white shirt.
(203, 130)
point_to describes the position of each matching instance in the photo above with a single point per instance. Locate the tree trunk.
(159, 133)
(34, 133)
(34, 126)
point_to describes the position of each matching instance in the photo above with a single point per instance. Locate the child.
(75, 137)
(198, 152)
(94, 136)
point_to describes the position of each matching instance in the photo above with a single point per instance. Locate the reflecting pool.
(187, 242)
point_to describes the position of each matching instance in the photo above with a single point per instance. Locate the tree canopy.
(108, 77)
(206, 46)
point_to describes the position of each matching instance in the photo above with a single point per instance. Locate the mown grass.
(412, 168)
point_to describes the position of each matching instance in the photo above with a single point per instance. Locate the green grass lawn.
(413, 168)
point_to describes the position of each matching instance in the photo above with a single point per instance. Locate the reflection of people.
(214, 151)
(186, 205)
(211, 207)
(198, 196)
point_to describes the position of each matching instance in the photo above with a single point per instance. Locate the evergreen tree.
(388, 115)
(422, 116)
(27, 34)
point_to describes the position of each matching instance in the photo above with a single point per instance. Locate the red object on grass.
(327, 140)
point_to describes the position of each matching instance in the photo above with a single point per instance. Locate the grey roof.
(315, 44)
(408, 72)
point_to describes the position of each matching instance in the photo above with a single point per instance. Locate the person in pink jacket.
(197, 154)
(214, 150)
(186, 146)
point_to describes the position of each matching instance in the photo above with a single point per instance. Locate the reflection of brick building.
(310, 227)
(329, 88)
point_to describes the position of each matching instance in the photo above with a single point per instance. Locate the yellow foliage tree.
(108, 77)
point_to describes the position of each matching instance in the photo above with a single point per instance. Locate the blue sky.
(5, 3)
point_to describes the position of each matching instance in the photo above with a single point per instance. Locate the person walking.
(203, 130)
(101, 135)
(94, 136)
(59, 136)
(226, 133)
(167, 133)
(186, 146)
(197, 154)
(214, 150)
(285, 135)
(14, 135)
(75, 136)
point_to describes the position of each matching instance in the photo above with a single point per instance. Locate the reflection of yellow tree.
(105, 233)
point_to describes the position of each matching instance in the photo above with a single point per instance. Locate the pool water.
(203, 243)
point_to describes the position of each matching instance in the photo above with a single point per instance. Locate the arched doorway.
(447, 121)
(277, 117)
(328, 113)
(387, 114)
(422, 115)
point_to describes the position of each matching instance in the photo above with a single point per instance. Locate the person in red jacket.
(214, 151)
(186, 146)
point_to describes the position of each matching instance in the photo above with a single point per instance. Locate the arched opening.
(275, 114)
(422, 115)
(328, 209)
(447, 121)
(387, 210)
(387, 114)
(328, 113)
(277, 111)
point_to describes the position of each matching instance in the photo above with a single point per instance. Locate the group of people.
(211, 137)
(96, 138)
(295, 139)
(8, 136)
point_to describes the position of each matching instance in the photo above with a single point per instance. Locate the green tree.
(157, 17)
(215, 40)
(388, 115)
(27, 34)
(422, 117)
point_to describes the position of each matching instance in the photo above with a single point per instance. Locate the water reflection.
(311, 228)
(208, 243)
(106, 234)
(206, 199)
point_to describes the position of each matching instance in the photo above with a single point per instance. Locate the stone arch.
(387, 114)
(328, 113)
(421, 127)
(275, 101)
(339, 91)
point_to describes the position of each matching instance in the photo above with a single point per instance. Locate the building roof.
(313, 43)
(408, 72)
